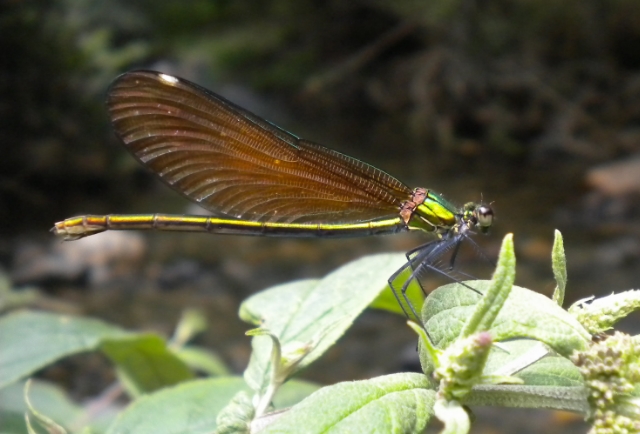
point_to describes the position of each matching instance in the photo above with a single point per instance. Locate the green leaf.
(33, 340)
(46, 398)
(314, 312)
(559, 266)
(490, 304)
(263, 306)
(526, 314)
(190, 407)
(394, 403)
(192, 322)
(43, 420)
(387, 300)
(237, 416)
(551, 370)
(292, 392)
(12, 298)
(427, 351)
(572, 399)
(202, 359)
(282, 366)
(144, 363)
(600, 314)
(53, 401)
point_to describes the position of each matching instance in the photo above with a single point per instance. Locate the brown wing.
(231, 161)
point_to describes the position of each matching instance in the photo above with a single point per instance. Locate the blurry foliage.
(544, 29)
(527, 80)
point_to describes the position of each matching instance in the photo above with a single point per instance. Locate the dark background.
(526, 104)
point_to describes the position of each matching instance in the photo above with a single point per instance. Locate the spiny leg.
(405, 304)
(464, 236)
(421, 259)
(415, 258)
(424, 258)
(479, 251)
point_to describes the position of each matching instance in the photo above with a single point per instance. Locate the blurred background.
(533, 106)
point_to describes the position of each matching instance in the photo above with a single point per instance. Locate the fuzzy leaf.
(525, 314)
(33, 340)
(399, 403)
(313, 312)
(190, 407)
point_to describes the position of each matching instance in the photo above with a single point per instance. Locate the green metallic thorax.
(434, 214)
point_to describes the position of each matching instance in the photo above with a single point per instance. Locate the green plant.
(508, 347)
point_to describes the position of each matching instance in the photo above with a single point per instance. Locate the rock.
(100, 257)
(617, 178)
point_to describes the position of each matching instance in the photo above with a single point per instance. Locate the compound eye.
(484, 214)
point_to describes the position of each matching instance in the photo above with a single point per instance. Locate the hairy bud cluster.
(611, 369)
